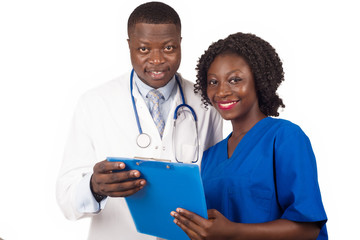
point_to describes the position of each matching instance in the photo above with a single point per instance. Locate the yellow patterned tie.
(155, 96)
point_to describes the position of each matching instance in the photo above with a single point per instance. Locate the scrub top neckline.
(243, 142)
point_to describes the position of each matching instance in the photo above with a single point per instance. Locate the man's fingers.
(106, 166)
(116, 177)
(121, 189)
(125, 186)
(125, 193)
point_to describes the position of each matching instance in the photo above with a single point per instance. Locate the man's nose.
(156, 57)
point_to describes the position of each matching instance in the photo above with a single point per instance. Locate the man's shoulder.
(188, 88)
(113, 86)
(186, 83)
(122, 82)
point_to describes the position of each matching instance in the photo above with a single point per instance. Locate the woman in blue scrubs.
(261, 181)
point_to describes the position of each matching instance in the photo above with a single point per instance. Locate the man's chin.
(156, 83)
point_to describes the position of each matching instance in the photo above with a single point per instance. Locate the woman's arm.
(219, 227)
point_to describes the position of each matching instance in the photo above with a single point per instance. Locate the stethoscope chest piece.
(143, 140)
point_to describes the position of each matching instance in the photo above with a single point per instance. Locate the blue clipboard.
(169, 186)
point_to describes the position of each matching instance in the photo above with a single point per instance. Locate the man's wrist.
(98, 197)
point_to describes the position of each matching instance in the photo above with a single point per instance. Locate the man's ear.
(128, 40)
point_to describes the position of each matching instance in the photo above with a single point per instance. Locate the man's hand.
(109, 179)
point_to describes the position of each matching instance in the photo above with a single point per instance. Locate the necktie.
(154, 95)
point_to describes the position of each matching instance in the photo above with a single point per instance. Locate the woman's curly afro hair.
(263, 60)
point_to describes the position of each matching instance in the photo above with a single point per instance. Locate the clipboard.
(169, 186)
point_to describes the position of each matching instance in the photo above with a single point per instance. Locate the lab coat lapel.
(122, 106)
(170, 118)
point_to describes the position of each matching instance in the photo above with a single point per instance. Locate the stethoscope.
(143, 140)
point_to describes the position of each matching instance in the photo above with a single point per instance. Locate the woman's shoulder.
(285, 129)
(283, 124)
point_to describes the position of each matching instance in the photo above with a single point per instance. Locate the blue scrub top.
(272, 174)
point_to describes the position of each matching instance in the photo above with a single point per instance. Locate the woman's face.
(231, 87)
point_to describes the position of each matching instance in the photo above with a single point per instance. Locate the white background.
(51, 52)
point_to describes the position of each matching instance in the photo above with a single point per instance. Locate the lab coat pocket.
(185, 137)
(188, 153)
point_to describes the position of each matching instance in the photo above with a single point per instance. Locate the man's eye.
(168, 48)
(143, 49)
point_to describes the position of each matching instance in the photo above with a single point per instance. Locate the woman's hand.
(196, 227)
(219, 227)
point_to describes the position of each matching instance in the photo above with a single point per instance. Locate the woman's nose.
(223, 90)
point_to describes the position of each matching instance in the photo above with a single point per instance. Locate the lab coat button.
(156, 147)
(163, 148)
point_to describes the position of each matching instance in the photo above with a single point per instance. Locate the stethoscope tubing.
(175, 113)
(176, 110)
(134, 104)
(184, 105)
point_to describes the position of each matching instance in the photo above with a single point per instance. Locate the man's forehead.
(144, 30)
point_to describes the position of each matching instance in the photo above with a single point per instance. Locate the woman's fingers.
(192, 224)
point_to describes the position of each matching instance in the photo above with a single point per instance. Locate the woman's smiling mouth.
(226, 105)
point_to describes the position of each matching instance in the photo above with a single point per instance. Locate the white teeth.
(226, 104)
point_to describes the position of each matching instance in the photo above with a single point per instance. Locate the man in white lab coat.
(105, 124)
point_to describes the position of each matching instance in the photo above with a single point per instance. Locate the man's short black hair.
(154, 13)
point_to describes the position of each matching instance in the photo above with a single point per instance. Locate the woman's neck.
(242, 126)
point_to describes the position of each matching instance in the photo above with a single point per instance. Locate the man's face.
(155, 52)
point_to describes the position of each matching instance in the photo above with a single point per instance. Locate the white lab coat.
(104, 125)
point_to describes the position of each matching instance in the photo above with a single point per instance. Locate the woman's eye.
(212, 82)
(235, 80)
